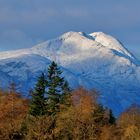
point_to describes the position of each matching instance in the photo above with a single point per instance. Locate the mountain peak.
(110, 42)
(95, 60)
(95, 34)
(76, 35)
(70, 34)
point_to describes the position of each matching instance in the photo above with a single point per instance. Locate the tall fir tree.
(56, 88)
(112, 119)
(37, 106)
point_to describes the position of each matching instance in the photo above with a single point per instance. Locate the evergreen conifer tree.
(37, 106)
(56, 88)
(111, 117)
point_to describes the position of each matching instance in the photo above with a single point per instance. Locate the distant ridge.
(95, 60)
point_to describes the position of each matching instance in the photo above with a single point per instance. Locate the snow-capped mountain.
(95, 60)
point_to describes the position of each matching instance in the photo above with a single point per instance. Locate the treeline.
(55, 112)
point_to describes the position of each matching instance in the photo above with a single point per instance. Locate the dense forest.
(56, 112)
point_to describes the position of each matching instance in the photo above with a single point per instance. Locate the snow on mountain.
(95, 60)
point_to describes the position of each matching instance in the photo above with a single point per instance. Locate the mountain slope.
(94, 60)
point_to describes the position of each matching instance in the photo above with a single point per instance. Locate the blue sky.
(24, 23)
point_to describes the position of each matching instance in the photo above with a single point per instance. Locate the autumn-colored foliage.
(80, 118)
(40, 128)
(84, 119)
(13, 109)
(129, 121)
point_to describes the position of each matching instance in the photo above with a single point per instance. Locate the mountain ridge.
(95, 60)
